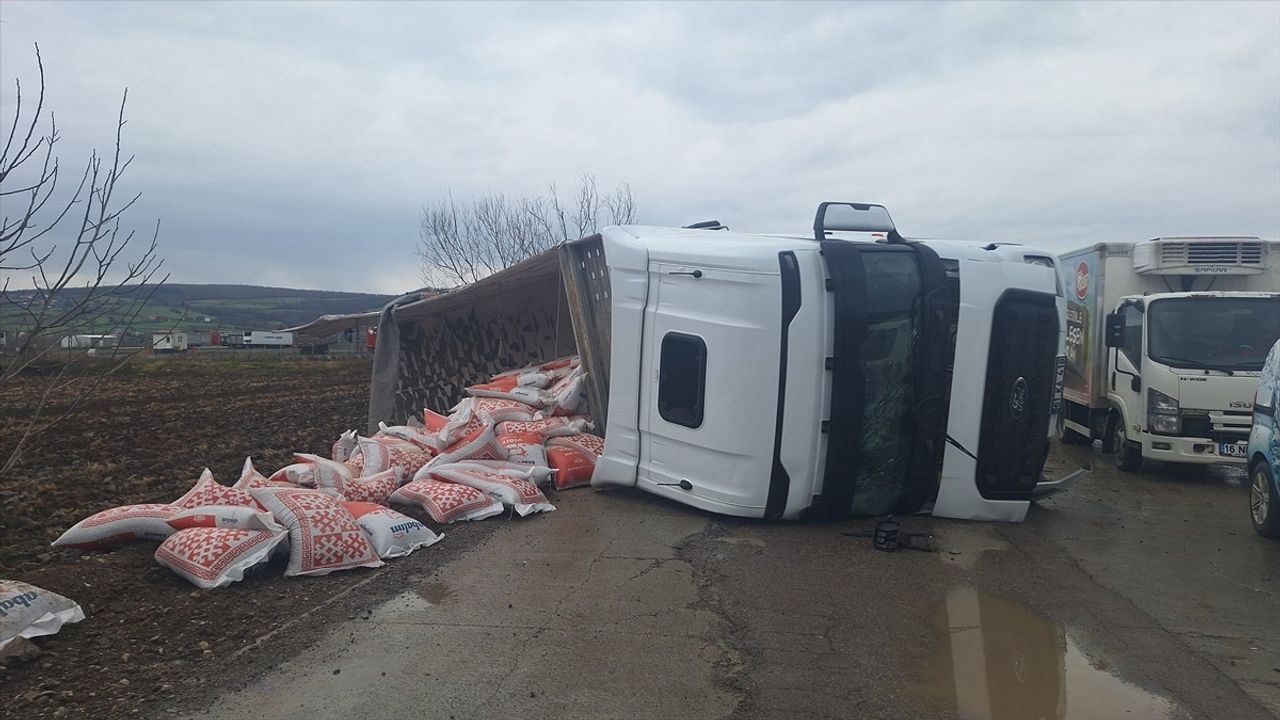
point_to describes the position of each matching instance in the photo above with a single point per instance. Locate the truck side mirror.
(1115, 330)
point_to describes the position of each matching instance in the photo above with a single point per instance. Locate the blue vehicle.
(1264, 450)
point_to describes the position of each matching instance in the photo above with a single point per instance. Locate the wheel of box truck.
(1126, 455)
(1264, 506)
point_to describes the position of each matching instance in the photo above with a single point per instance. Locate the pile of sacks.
(522, 430)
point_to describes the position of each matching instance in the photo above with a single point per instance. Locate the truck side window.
(682, 379)
(1132, 345)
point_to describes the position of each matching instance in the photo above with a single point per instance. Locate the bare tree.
(461, 243)
(68, 266)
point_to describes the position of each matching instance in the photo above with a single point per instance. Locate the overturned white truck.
(851, 372)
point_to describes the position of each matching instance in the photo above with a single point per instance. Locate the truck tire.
(1067, 436)
(1264, 506)
(1127, 457)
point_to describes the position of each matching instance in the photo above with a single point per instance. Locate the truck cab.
(1184, 373)
(848, 372)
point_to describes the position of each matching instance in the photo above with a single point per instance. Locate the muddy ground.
(1133, 595)
(149, 637)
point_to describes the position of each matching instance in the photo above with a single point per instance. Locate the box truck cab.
(1170, 370)
(848, 372)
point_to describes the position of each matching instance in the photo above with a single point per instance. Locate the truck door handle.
(695, 274)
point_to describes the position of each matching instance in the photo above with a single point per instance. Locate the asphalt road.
(1132, 596)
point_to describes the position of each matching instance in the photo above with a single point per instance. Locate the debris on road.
(27, 611)
(518, 431)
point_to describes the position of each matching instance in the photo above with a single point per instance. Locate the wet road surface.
(1132, 596)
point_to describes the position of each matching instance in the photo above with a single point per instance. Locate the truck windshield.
(1223, 333)
(888, 365)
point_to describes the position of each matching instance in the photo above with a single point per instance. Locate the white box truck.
(260, 338)
(779, 376)
(1165, 341)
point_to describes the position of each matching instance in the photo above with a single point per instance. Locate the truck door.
(1126, 366)
(709, 386)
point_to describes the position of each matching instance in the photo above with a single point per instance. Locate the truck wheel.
(1126, 456)
(1067, 436)
(1264, 506)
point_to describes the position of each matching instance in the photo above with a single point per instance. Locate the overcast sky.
(294, 144)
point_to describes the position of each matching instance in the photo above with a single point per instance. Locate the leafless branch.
(90, 276)
(461, 243)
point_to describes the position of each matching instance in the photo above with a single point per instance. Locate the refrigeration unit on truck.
(1165, 341)
(780, 376)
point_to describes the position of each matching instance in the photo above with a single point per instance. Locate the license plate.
(1238, 450)
(1059, 373)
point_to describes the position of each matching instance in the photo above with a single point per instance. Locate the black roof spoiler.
(854, 217)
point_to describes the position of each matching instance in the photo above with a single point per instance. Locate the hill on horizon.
(229, 307)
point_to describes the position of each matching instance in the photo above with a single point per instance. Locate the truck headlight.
(1164, 424)
(1162, 413)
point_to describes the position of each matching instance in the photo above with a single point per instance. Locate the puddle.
(1000, 661)
(434, 593)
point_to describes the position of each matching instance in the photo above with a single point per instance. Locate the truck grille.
(1019, 391)
(1216, 426)
(1227, 252)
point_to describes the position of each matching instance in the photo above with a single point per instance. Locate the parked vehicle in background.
(1165, 342)
(87, 342)
(258, 338)
(172, 341)
(1264, 450)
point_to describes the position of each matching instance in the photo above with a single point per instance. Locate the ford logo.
(1018, 398)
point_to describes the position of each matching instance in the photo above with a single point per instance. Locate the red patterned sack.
(301, 474)
(208, 491)
(214, 557)
(323, 537)
(392, 534)
(524, 448)
(422, 440)
(236, 517)
(250, 478)
(326, 472)
(117, 525)
(447, 502)
(507, 487)
(548, 427)
(531, 396)
(574, 459)
(582, 442)
(343, 446)
(568, 396)
(378, 456)
(480, 444)
(434, 421)
(370, 489)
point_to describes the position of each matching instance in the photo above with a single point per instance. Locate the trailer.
(1165, 341)
(776, 376)
(259, 339)
(169, 342)
(87, 342)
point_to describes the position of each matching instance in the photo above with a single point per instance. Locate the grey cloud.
(294, 144)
